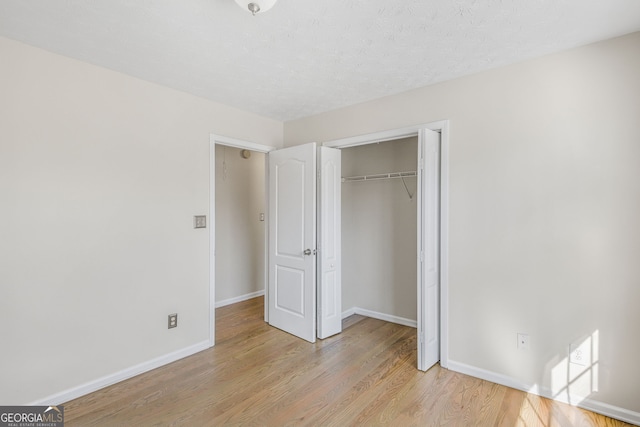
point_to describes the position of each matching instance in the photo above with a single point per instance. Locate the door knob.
(309, 252)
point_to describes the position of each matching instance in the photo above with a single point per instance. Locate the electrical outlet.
(579, 354)
(200, 221)
(173, 320)
(523, 341)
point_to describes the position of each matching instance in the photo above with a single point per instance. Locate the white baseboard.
(91, 386)
(348, 313)
(380, 316)
(239, 299)
(586, 403)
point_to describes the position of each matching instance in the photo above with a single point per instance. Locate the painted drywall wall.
(240, 244)
(100, 176)
(544, 206)
(379, 224)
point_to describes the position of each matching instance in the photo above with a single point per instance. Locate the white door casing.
(292, 240)
(428, 249)
(329, 246)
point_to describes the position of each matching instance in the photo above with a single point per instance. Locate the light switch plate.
(200, 221)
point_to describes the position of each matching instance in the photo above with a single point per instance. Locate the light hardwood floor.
(257, 375)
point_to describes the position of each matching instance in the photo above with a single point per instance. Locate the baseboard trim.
(239, 299)
(380, 316)
(348, 313)
(91, 386)
(586, 403)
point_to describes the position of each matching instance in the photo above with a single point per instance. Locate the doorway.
(232, 161)
(240, 224)
(379, 233)
(432, 234)
(433, 256)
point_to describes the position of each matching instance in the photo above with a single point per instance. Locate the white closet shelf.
(378, 176)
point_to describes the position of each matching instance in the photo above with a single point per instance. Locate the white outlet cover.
(200, 221)
(580, 354)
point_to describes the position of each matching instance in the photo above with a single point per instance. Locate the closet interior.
(379, 230)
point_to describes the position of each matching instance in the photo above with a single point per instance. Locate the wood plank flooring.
(257, 375)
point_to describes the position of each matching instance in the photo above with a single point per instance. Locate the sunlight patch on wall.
(575, 377)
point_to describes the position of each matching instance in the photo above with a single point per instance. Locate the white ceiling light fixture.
(256, 6)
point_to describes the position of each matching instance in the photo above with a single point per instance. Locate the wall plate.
(523, 341)
(173, 321)
(200, 221)
(580, 354)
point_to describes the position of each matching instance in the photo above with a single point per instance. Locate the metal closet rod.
(378, 176)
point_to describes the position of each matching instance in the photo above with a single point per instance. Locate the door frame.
(214, 140)
(442, 127)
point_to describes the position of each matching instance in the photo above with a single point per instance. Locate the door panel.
(289, 290)
(292, 240)
(428, 250)
(329, 243)
(290, 199)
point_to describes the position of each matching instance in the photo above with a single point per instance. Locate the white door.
(292, 240)
(428, 249)
(329, 253)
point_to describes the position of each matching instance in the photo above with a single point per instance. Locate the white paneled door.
(428, 249)
(329, 251)
(295, 287)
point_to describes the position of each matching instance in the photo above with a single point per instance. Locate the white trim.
(441, 126)
(586, 403)
(212, 241)
(238, 143)
(487, 375)
(95, 385)
(380, 316)
(386, 135)
(265, 273)
(230, 142)
(241, 298)
(349, 312)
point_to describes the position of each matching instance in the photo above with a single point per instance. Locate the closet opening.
(379, 230)
(429, 259)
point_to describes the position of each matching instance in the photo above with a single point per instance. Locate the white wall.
(544, 208)
(379, 223)
(100, 176)
(240, 244)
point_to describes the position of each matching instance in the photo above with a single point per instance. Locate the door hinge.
(421, 164)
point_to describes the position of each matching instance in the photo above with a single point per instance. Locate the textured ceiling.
(305, 57)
